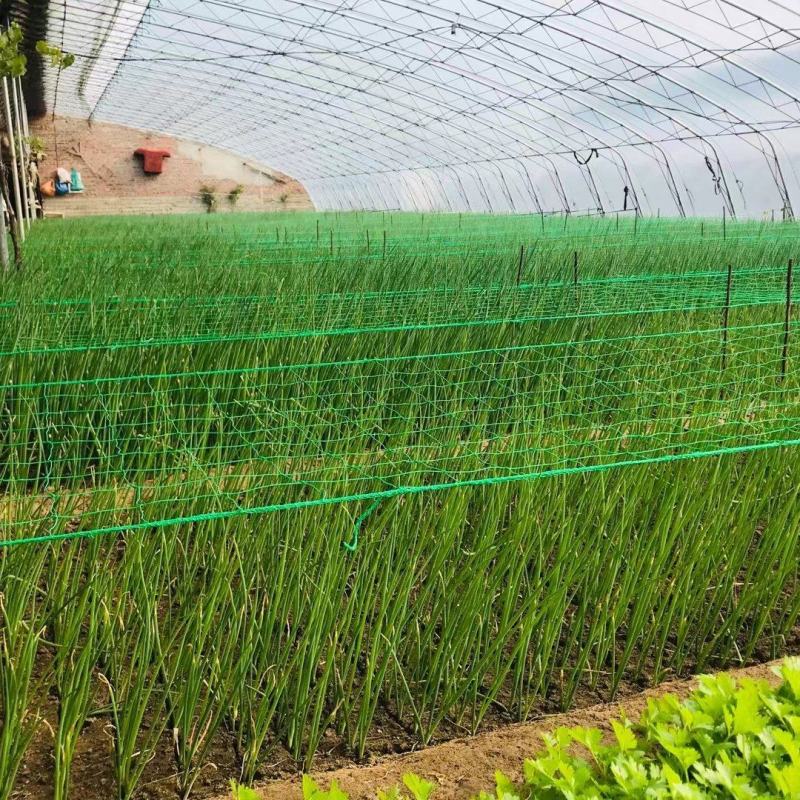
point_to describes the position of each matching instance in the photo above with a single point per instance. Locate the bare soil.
(462, 767)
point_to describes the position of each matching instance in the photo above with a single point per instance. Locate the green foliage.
(208, 197)
(35, 146)
(13, 63)
(418, 789)
(234, 195)
(57, 57)
(239, 792)
(312, 792)
(455, 601)
(725, 741)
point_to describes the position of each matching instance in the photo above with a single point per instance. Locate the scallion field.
(275, 484)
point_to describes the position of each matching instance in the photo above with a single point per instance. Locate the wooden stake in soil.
(788, 319)
(4, 261)
(521, 263)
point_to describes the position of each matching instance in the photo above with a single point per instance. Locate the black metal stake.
(317, 233)
(384, 245)
(521, 263)
(575, 268)
(331, 241)
(725, 314)
(788, 319)
(724, 223)
(367, 240)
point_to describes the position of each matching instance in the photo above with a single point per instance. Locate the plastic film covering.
(671, 107)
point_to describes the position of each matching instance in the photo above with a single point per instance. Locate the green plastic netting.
(78, 325)
(103, 454)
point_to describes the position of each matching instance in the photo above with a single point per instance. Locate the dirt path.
(462, 767)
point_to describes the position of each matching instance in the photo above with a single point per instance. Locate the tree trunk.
(12, 217)
(3, 239)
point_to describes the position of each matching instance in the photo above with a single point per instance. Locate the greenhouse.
(392, 389)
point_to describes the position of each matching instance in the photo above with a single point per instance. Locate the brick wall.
(116, 184)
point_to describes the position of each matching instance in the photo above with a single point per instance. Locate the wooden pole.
(5, 262)
(14, 163)
(26, 133)
(23, 161)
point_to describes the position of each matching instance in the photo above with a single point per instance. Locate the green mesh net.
(117, 452)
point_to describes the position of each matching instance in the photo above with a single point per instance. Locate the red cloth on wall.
(152, 160)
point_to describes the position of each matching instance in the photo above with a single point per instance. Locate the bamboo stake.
(27, 133)
(5, 262)
(15, 167)
(23, 169)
